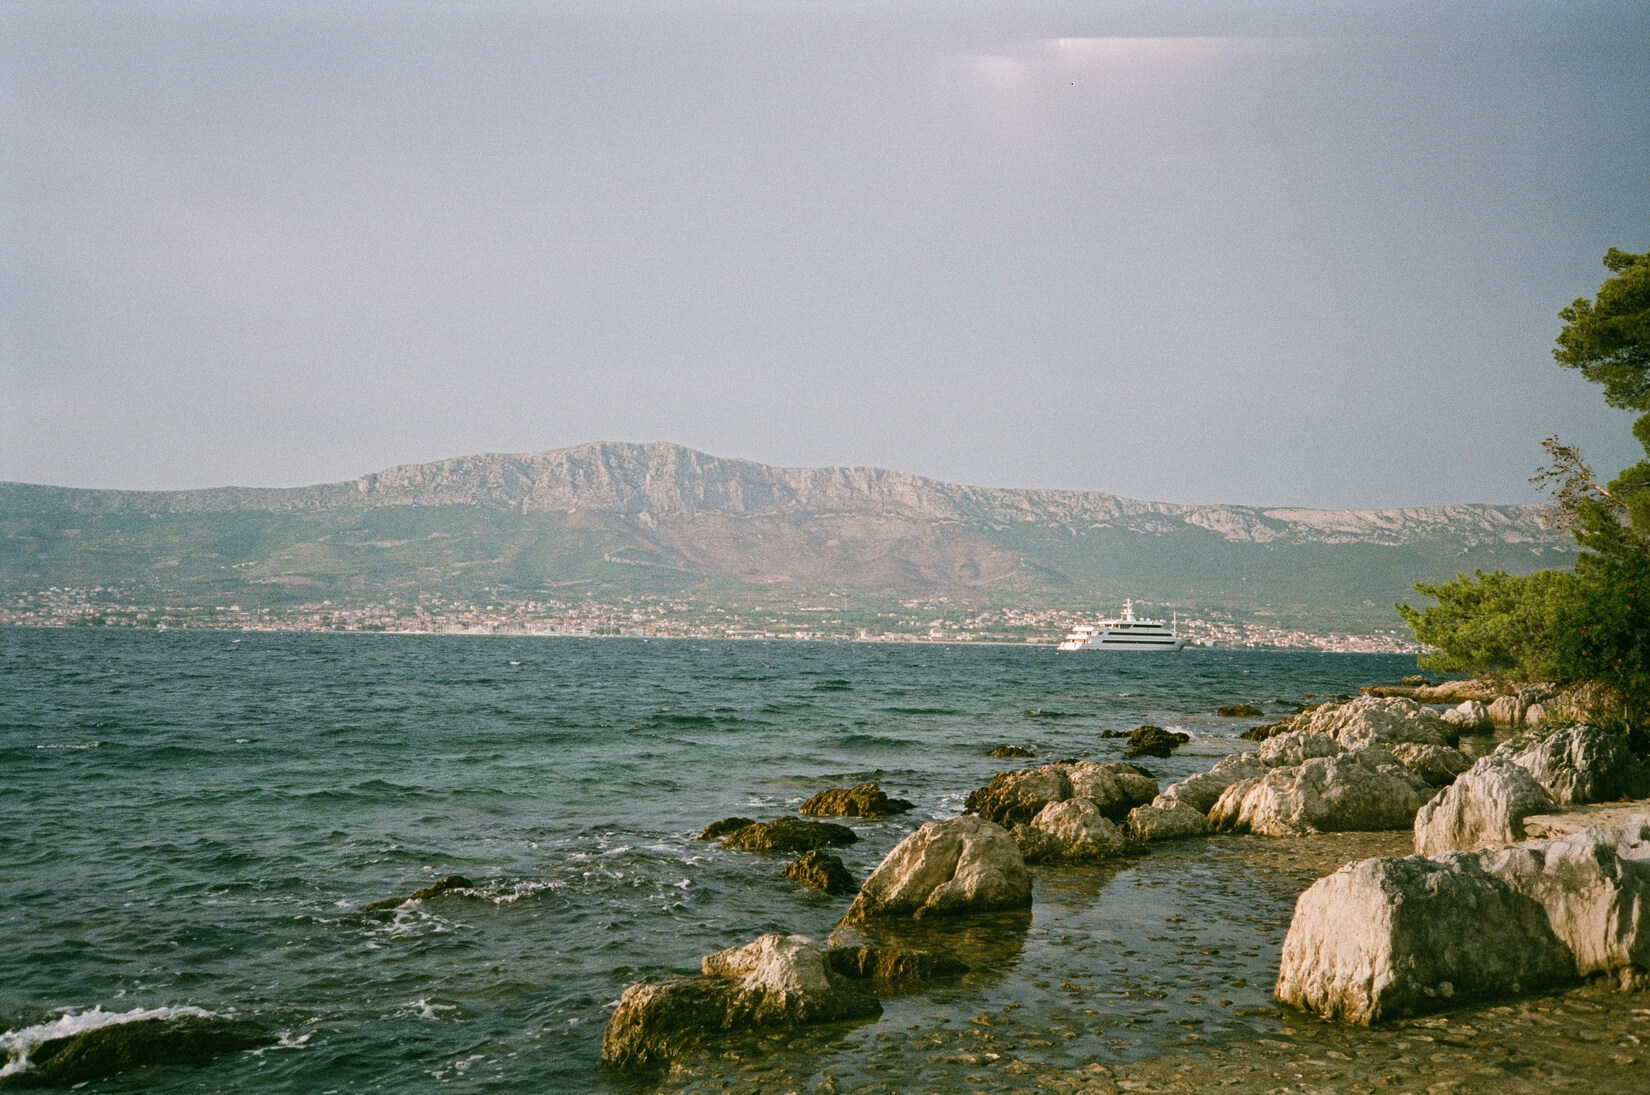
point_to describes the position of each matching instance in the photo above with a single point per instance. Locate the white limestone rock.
(1470, 717)
(1438, 765)
(1148, 824)
(1392, 936)
(1581, 764)
(961, 865)
(1377, 720)
(1203, 790)
(1364, 789)
(1485, 806)
(1595, 888)
(1297, 747)
(1071, 830)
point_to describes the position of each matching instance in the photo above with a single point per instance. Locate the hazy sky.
(1273, 253)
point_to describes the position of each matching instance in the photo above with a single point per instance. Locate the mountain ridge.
(661, 478)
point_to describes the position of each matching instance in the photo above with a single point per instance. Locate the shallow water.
(193, 819)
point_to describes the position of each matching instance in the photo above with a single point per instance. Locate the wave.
(18, 1044)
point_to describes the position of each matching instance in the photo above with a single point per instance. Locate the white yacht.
(1125, 633)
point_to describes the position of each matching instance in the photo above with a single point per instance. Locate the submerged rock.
(1485, 806)
(1581, 764)
(822, 871)
(788, 834)
(1269, 730)
(871, 963)
(1071, 830)
(716, 830)
(961, 865)
(1003, 752)
(860, 800)
(1154, 741)
(1361, 790)
(116, 1047)
(1240, 711)
(776, 981)
(439, 886)
(1176, 821)
(1390, 937)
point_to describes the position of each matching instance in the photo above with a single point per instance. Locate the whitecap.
(18, 1044)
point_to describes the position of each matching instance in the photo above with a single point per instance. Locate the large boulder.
(86, 1056)
(788, 834)
(1202, 790)
(860, 800)
(1595, 888)
(776, 981)
(1485, 806)
(1014, 798)
(1360, 790)
(1390, 937)
(1581, 764)
(1071, 830)
(961, 865)
(1147, 824)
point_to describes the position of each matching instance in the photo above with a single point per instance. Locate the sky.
(1259, 253)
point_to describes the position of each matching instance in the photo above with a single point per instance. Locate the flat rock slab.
(1557, 823)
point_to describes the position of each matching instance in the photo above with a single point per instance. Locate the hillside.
(603, 522)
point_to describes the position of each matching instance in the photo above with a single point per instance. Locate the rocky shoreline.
(1522, 882)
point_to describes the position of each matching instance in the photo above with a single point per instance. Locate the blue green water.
(192, 819)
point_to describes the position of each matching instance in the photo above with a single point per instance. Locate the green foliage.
(1608, 339)
(1604, 634)
(1494, 624)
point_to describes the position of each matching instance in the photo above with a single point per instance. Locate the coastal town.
(937, 620)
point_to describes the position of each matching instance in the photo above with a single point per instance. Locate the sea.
(190, 822)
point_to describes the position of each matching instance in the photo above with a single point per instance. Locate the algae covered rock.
(1015, 797)
(822, 871)
(892, 964)
(104, 1051)
(442, 885)
(1240, 711)
(1154, 741)
(788, 834)
(860, 800)
(716, 830)
(775, 981)
(961, 865)
(1071, 830)
(1390, 937)
(1486, 805)
(1004, 752)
